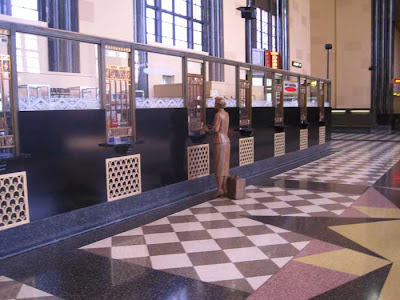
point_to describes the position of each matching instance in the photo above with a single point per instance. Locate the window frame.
(272, 30)
(189, 17)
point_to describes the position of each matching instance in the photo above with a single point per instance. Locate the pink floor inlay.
(298, 281)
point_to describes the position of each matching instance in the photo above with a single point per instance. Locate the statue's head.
(220, 102)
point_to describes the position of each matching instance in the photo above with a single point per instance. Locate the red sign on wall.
(396, 81)
(273, 59)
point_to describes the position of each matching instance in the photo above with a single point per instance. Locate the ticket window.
(118, 102)
(7, 135)
(321, 101)
(196, 98)
(245, 98)
(303, 102)
(278, 102)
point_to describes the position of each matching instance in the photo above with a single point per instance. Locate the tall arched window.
(177, 23)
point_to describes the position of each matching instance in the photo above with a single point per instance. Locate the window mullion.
(190, 24)
(270, 30)
(158, 21)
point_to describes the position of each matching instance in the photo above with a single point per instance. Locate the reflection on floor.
(326, 230)
(11, 289)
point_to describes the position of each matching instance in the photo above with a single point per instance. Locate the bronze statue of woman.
(222, 146)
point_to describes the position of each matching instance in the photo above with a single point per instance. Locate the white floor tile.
(258, 281)
(277, 229)
(192, 226)
(311, 208)
(27, 291)
(246, 201)
(210, 217)
(123, 252)
(289, 198)
(245, 254)
(219, 272)
(300, 245)
(229, 208)
(243, 222)
(221, 233)
(200, 246)
(321, 201)
(279, 204)
(281, 261)
(259, 195)
(171, 261)
(300, 192)
(263, 212)
(161, 238)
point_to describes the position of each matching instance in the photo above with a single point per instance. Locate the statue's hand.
(208, 128)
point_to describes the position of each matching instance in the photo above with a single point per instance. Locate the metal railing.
(14, 28)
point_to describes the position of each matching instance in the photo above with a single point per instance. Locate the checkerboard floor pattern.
(360, 163)
(379, 136)
(12, 290)
(215, 242)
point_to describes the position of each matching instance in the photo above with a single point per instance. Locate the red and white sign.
(290, 87)
(396, 81)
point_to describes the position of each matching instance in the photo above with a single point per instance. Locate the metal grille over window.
(322, 135)
(6, 137)
(303, 100)
(123, 177)
(303, 139)
(278, 101)
(246, 151)
(14, 206)
(279, 144)
(321, 102)
(198, 160)
(244, 103)
(117, 106)
(195, 104)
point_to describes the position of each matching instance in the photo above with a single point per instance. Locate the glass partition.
(221, 81)
(278, 101)
(312, 93)
(303, 100)
(158, 81)
(321, 100)
(261, 89)
(245, 97)
(118, 99)
(195, 98)
(48, 77)
(328, 94)
(6, 121)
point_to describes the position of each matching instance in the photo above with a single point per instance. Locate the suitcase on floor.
(236, 187)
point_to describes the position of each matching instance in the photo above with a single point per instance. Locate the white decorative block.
(303, 139)
(198, 160)
(322, 135)
(246, 151)
(279, 144)
(14, 206)
(123, 177)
